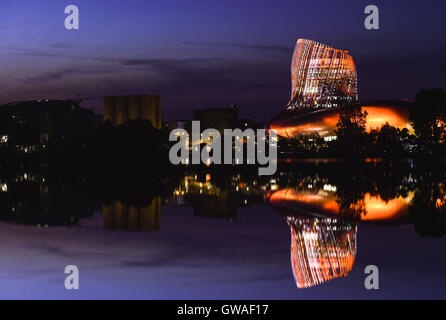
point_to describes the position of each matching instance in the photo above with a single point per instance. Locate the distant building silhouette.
(30, 124)
(31, 199)
(220, 119)
(121, 109)
(216, 118)
(177, 124)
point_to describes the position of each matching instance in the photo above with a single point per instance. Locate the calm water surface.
(306, 233)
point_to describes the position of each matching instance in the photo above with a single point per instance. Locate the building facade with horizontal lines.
(121, 109)
(321, 76)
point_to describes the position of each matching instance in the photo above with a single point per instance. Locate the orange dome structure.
(322, 123)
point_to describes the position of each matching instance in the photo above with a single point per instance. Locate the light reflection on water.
(322, 204)
(322, 249)
(370, 208)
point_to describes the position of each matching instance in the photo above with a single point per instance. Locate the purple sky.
(202, 53)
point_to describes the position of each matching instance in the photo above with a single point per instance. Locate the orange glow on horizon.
(379, 116)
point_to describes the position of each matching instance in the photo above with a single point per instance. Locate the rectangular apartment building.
(121, 109)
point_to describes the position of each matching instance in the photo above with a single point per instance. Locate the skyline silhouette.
(210, 55)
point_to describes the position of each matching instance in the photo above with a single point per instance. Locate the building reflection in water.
(322, 249)
(28, 198)
(370, 208)
(323, 215)
(216, 199)
(120, 216)
(322, 205)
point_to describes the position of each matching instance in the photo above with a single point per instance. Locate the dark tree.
(388, 140)
(429, 119)
(351, 130)
(428, 209)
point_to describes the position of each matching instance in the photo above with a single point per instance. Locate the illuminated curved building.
(321, 249)
(323, 83)
(321, 76)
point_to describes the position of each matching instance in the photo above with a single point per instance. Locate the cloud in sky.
(191, 82)
(285, 50)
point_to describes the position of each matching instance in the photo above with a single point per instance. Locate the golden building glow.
(119, 110)
(323, 124)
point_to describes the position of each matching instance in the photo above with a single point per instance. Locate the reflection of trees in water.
(80, 169)
(34, 199)
(428, 210)
(62, 197)
(384, 180)
(56, 196)
(130, 196)
(355, 182)
(351, 203)
(352, 182)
